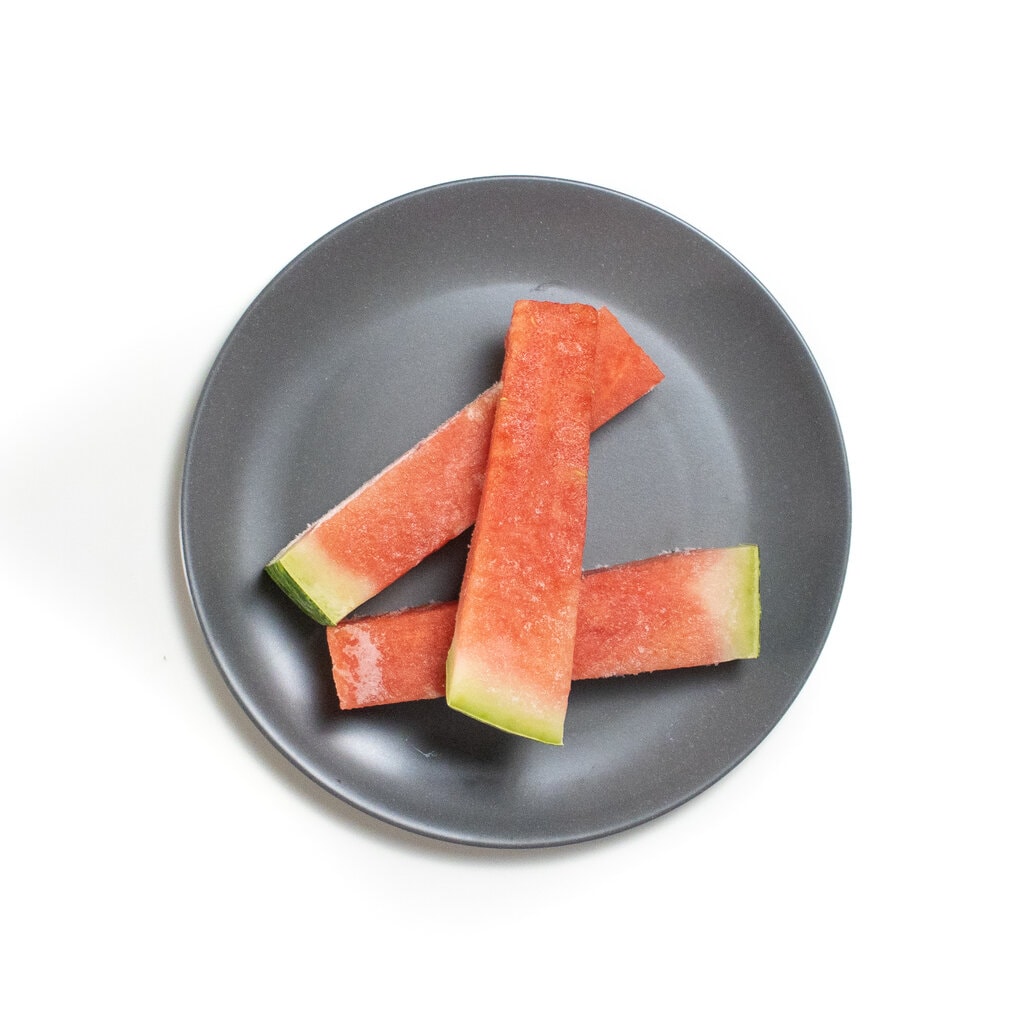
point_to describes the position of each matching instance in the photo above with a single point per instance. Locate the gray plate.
(393, 321)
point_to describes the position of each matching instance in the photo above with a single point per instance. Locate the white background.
(161, 164)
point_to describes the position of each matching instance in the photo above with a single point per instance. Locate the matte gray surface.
(386, 326)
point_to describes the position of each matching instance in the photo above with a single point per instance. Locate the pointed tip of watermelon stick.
(623, 371)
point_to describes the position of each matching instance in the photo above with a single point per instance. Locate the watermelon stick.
(429, 495)
(510, 662)
(677, 610)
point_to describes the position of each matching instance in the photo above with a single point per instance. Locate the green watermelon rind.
(466, 694)
(284, 579)
(746, 565)
(317, 584)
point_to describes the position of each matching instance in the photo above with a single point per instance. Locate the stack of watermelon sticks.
(528, 620)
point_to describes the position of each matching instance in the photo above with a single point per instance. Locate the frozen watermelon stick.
(677, 610)
(429, 495)
(510, 662)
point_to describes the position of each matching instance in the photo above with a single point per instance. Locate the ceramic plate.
(381, 330)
